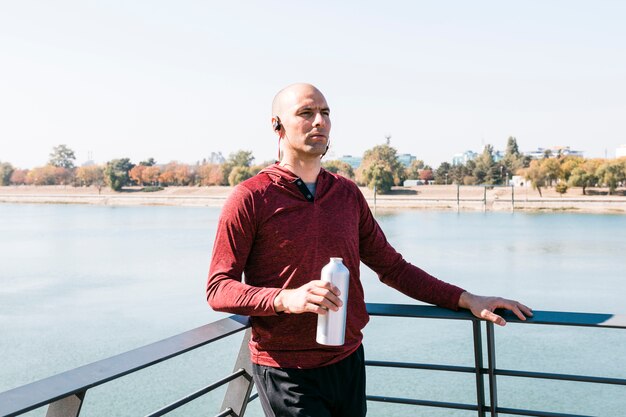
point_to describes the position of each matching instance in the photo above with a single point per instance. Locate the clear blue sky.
(178, 80)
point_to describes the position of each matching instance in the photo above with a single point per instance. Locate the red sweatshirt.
(269, 231)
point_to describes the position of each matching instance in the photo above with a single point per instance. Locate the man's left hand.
(483, 307)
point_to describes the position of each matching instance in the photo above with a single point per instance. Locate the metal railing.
(482, 407)
(64, 393)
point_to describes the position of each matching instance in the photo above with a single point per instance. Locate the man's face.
(306, 122)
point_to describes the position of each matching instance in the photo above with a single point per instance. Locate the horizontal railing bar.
(225, 413)
(253, 397)
(430, 367)
(502, 372)
(31, 396)
(561, 377)
(557, 318)
(176, 404)
(425, 403)
(417, 311)
(459, 406)
(533, 413)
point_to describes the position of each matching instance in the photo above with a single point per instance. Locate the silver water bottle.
(331, 327)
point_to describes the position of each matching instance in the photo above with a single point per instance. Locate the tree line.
(119, 173)
(380, 168)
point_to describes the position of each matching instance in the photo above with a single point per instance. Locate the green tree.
(62, 156)
(611, 173)
(485, 167)
(148, 162)
(377, 175)
(443, 174)
(584, 175)
(237, 159)
(6, 170)
(116, 173)
(339, 167)
(241, 158)
(513, 159)
(239, 174)
(381, 167)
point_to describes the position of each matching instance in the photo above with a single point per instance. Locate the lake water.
(82, 283)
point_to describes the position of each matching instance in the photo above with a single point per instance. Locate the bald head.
(289, 96)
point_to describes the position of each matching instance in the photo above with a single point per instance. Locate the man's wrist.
(465, 299)
(278, 302)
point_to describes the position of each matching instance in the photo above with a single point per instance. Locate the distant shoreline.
(428, 197)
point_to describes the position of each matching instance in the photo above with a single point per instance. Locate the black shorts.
(336, 390)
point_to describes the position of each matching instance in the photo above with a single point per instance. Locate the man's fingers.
(326, 285)
(326, 297)
(519, 309)
(329, 302)
(492, 317)
(526, 310)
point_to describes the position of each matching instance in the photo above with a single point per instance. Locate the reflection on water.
(80, 283)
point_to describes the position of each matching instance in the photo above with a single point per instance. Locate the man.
(280, 228)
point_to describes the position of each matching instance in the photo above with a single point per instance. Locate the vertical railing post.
(491, 358)
(478, 363)
(67, 407)
(484, 198)
(238, 391)
(512, 197)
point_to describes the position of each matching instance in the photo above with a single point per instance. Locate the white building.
(462, 158)
(620, 152)
(554, 152)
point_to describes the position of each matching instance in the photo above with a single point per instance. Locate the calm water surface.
(81, 283)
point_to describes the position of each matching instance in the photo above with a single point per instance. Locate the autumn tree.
(62, 156)
(568, 164)
(136, 173)
(6, 170)
(561, 188)
(116, 173)
(552, 169)
(536, 174)
(90, 175)
(210, 174)
(176, 173)
(18, 177)
(151, 175)
(427, 175)
(413, 171)
(46, 175)
(339, 167)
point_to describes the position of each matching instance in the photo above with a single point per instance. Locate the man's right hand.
(313, 297)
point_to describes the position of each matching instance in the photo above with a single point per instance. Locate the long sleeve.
(234, 239)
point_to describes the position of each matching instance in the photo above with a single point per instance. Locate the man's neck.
(307, 170)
